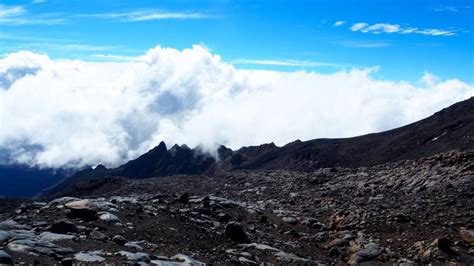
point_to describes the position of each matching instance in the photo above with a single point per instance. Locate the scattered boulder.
(30, 246)
(89, 257)
(48, 236)
(80, 204)
(443, 244)
(134, 257)
(236, 233)
(177, 260)
(82, 209)
(11, 225)
(5, 236)
(83, 214)
(368, 253)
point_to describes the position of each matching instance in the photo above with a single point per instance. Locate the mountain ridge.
(448, 129)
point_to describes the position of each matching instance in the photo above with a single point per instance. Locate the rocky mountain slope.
(411, 211)
(400, 196)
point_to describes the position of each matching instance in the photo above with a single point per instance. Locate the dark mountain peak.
(100, 167)
(177, 148)
(160, 148)
(223, 152)
(296, 142)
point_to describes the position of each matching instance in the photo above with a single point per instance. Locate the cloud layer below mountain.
(71, 113)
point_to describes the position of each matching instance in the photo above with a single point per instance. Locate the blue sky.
(403, 38)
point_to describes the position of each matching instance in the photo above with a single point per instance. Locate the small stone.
(96, 234)
(108, 217)
(294, 195)
(119, 240)
(467, 235)
(247, 261)
(290, 220)
(339, 242)
(471, 251)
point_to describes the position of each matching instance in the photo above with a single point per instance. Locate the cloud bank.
(68, 113)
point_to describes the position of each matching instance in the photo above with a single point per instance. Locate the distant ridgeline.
(24, 181)
(449, 129)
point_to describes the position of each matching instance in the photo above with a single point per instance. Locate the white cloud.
(71, 112)
(429, 79)
(34, 2)
(381, 27)
(339, 23)
(18, 15)
(363, 44)
(149, 14)
(395, 28)
(284, 62)
(358, 26)
(11, 11)
(436, 32)
(454, 9)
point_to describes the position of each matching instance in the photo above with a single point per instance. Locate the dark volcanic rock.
(84, 214)
(63, 227)
(184, 198)
(5, 258)
(119, 240)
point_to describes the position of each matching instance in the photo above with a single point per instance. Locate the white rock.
(108, 217)
(48, 236)
(88, 257)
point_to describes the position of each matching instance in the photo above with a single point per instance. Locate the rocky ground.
(407, 212)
